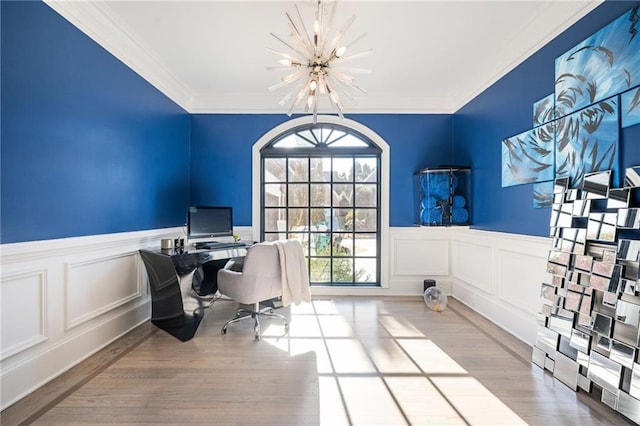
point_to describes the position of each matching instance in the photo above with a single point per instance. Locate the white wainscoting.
(499, 275)
(63, 300)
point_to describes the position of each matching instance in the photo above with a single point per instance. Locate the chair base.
(256, 313)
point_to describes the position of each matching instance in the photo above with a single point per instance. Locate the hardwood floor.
(346, 360)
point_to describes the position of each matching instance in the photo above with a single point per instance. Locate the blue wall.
(221, 156)
(506, 109)
(88, 146)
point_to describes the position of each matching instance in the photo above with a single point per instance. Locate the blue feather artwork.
(603, 65)
(630, 107)
(587, 141)
(543, 194)
(528, 157)
(544, 110)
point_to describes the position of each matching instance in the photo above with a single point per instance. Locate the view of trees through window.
(320, 185)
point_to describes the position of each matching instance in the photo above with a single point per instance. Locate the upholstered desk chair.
(259, 281)
(173, 307)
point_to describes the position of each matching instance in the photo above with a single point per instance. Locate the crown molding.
(96, 21)
(369, 104)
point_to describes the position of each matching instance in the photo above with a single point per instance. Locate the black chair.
(173, 308)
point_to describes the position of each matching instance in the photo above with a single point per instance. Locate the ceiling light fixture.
(314, 58)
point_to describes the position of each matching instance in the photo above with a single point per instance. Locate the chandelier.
(314, 57)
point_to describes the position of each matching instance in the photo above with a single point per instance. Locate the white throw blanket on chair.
(295, 277)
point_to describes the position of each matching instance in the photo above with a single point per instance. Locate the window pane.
(320, 244)
(275, 220)
(334, 135)
(298, 169)
(274, 169)
(275, 194)
(366, 170)
(349, 141)
(320, 219)
(320, 270)
(342, 244)
(291, 141)
(298, 195)
(342, 169)
(365, 220)
(366, 245)
(320, 194)
(339, 219)
(365, 270)
(366, 195)
(342, 195)
(343, 270)
(321, 169)
(274, 237)
(298, 220)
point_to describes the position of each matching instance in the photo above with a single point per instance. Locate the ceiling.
(429, 56)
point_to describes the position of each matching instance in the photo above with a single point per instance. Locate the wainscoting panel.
(471, 261)
(499, 276)
(96, 286)
(420, 257)
(519, 278)
(63, 300)
(23, 325)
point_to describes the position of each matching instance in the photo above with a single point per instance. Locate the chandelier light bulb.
(314, 59)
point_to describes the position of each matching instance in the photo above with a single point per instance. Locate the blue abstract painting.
(543, 110)
(528, 157)
(587, 141)
(630, 107)
(603, 65)
(543, 194)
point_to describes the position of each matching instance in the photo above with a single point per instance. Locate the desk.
(204, 263)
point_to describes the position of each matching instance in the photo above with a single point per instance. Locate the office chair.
(259, 281)
(174, 308)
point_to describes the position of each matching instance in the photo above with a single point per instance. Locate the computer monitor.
(205, 223)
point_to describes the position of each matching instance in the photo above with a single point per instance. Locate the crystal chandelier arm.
(347, 80)
(288, 45)
(326, 29)
(334, 98)
(298, 36)
(352, 70)
(356, 40)
(304, 28)
(289, 79)
(299, 96)
(340, 34)
(294, 61)
(338, 85)
(352, 57)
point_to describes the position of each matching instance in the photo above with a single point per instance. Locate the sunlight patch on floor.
(368, 402)
(389, 358)
(421, 402)
(475, 402)
(399, 327)
(383, 372)
(430, 358)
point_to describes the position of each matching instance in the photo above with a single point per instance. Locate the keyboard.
(217, 246)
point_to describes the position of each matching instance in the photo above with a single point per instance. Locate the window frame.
(383, 195)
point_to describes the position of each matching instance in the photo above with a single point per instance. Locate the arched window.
(321, 183)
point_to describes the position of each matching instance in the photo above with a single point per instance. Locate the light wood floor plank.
(338, 366)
